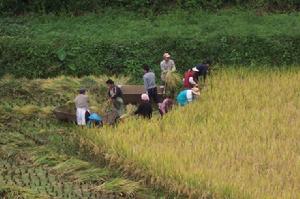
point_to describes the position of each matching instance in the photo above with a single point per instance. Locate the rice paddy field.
(41, 157)
(240, 139)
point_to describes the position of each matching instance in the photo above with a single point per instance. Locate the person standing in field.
(166, 65)
(203, 69)
(187, 96)
(115, 96)
(149, 84)
(145, 108)
(82, 105)
(189, 80)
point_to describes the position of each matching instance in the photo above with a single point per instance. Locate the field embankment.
(119, 42)
(239, 140)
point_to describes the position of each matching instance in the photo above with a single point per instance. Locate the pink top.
(166, 105)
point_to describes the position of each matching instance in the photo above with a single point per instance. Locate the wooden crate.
(132, 93)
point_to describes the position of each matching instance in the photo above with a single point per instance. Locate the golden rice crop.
(241, 139)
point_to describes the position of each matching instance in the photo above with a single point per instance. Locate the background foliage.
(81, 6)
(119, 42)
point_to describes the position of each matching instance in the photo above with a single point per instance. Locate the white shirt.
(165, 66)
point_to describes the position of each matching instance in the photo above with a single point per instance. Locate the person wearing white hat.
(145, 108)
(167, 64)
(189, 80)
(187, 96)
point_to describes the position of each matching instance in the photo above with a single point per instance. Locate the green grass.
(121, 26)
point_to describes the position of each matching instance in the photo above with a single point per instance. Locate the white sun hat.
(195, 69)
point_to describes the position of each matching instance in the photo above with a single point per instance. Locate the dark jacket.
(144, 110)
(116, 92)
(203, 71)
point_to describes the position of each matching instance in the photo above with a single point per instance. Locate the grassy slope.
(114, 25)
(239, 140)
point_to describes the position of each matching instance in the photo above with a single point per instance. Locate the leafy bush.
(29, 58)
(119, 42)
(81, 6)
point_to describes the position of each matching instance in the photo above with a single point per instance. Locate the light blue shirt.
(149, 80)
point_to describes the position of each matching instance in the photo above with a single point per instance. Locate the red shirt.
(187, 76)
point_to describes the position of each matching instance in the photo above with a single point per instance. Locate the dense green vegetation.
(115, 41)
(81, 6)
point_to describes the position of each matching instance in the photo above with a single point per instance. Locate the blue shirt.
(184, 97)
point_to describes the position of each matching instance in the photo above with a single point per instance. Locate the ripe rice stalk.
(239, 140)
(70, 166)
(173, 79)
(119, 185)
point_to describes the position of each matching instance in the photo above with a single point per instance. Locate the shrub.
(81, 6)
(32, 59)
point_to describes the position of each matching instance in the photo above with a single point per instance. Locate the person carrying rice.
(115, 96)
(166, 65)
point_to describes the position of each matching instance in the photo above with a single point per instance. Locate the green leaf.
(61, 53)
(72, 67)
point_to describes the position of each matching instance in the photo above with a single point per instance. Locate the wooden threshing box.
(132, 93)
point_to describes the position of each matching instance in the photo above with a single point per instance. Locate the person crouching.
(82, 105)
(165, 106)
(187, 96)
(145, 108)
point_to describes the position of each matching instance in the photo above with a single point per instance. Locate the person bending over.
(189, 80)
(203, 70)
(144, 109)
(187, 96)
(165, 106)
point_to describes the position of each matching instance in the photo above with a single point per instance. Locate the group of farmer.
(150, 97)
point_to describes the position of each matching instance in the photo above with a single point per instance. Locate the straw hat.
(167, 55)
(196, 91)
(145, 97)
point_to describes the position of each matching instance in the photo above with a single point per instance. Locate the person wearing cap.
(115, 96)
(189, 80)
(203, 69)
(149, 83)
(187, 96)
(167, 64)
(144, 109)
(82, 105)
